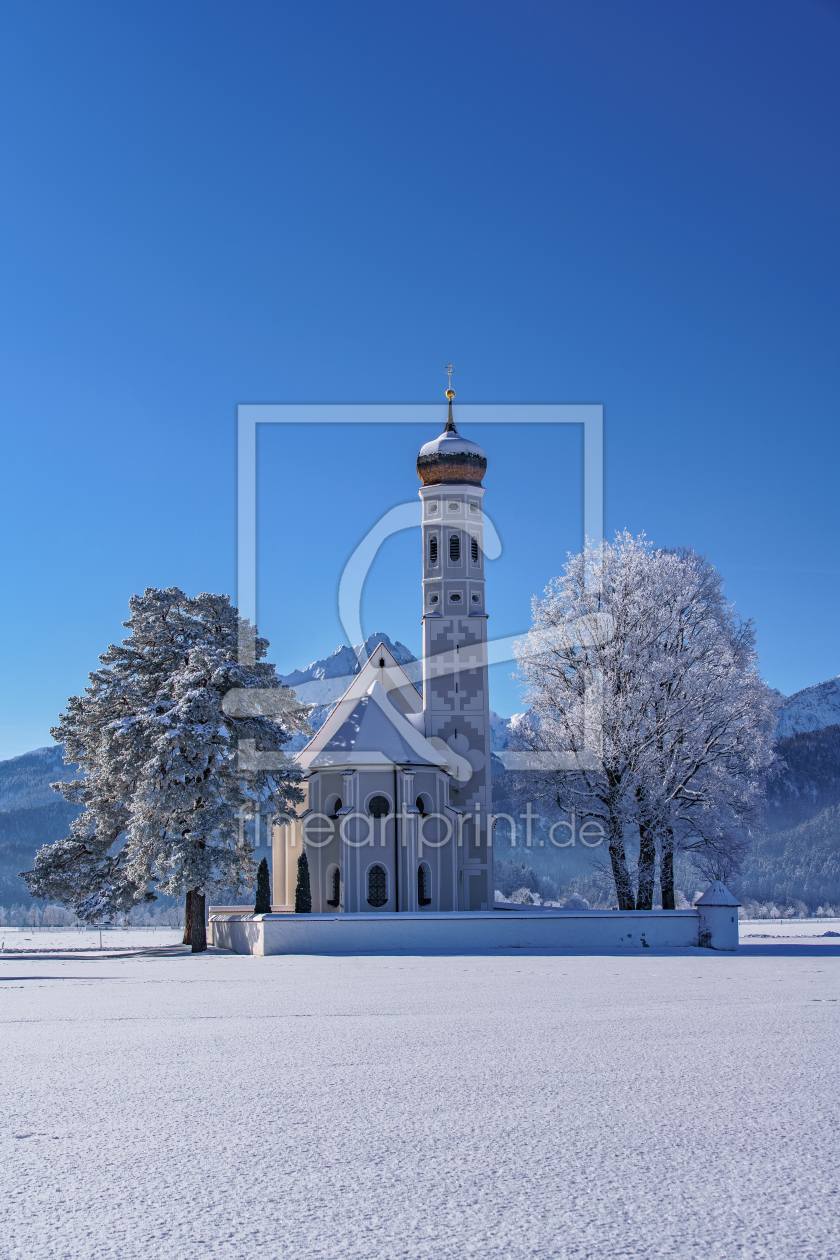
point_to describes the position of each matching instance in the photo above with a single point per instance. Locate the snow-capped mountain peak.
(345, 661)
(324, 682)
(811, 709)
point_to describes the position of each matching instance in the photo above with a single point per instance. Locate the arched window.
(379, 806)
(332, 805)
(455, 548)
(424, 885)
(425, 804)
(377, 886)
(433, 549)
(334, 887)
(474, 549)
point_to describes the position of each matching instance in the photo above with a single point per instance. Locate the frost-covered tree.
(709, 727)
(644, 688)
(262, 904)
(169, 764)
(584, 663)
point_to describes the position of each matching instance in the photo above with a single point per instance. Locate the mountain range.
(794, 861)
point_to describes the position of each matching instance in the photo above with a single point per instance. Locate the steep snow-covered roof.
(373, 727)
(374, 722)
(717, 894)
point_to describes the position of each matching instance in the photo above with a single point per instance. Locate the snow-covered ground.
(810, 930)
(176, 1106)
(75, 940)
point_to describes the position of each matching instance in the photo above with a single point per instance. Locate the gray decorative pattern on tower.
(456, 700)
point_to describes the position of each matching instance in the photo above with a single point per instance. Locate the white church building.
(397, 784)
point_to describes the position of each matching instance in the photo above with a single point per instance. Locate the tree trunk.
(187, 918)
(666, 870)
(621, 876)
(199, 922)
(647, 867)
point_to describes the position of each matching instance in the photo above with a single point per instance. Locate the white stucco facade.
(397, 784)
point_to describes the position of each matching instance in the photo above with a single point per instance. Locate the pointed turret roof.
(717, 894)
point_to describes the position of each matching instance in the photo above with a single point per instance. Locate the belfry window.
(433, 549)
(455, 548)
(474, 549)
(424, 885)
(377, 886)
(379, 806)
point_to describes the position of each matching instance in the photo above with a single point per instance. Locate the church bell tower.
(456, 699)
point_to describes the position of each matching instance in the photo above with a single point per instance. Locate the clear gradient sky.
(209, 203)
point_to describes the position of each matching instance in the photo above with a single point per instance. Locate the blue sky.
(213, 203)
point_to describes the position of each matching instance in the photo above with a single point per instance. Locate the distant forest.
(793, 865)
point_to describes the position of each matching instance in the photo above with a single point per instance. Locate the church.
(396, 816)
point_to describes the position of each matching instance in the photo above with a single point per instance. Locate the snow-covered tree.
(168, 763)
(709, 728)
(645, 693)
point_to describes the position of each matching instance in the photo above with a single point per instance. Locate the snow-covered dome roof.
(451, 458)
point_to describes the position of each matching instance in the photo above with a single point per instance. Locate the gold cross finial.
(450, 393)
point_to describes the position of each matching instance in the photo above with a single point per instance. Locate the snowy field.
(810, 930)
(167, 1105)
(74, 940)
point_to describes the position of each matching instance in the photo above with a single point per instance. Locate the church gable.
(367, 730)
(374, 721)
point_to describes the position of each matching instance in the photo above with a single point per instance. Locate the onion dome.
(451, 458)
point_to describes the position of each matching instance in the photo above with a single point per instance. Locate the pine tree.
(263, 901)
(303, 893)
(170, 763)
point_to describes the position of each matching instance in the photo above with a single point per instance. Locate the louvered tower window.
(474, 550)
(377, 886)
(423, 885)
(455, 548)
(433, 549)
